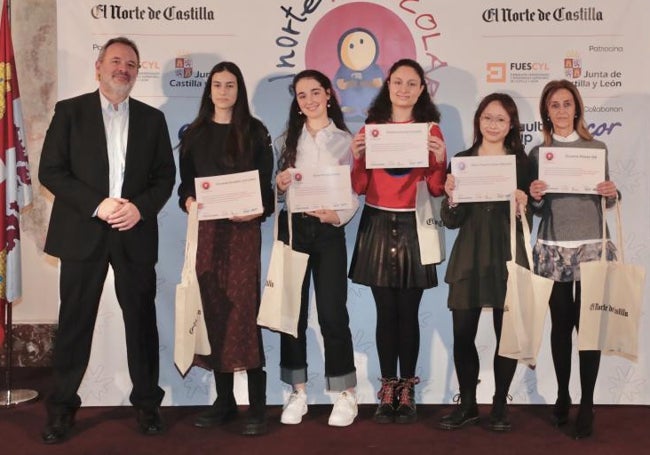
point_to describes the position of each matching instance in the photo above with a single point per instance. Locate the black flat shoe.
(561, 412)
(149, 421)
(499, 420)
(254, 426)
(584, 422)
(216, 415)
(58, 429)
(463, 415)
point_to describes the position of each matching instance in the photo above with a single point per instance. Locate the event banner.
(511, 46)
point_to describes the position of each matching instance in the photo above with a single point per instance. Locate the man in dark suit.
(107, 159)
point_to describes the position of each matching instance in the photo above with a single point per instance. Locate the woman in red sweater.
(386, 255)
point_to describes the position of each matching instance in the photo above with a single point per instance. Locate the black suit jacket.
(74, 167)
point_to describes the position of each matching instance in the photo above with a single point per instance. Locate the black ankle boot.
(255, 423)
(499, 415)
(406, 411)
(387, 395)
(561, 411)
(585, 421)
(466, 413)
(224, 409)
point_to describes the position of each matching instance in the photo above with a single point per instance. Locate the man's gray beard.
(120, 90)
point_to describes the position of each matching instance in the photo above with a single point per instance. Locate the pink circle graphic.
(297, 177)
(354, 45)
(375, 132)
(549, 156)
(206, 185)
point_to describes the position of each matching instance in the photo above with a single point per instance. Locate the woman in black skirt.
(386, 255)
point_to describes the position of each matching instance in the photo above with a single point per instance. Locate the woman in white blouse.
(316, 136)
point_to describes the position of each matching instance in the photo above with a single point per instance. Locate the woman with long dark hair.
(476, 271)
(386, 255)
(224, 139)
(570, 232)
(316, 137)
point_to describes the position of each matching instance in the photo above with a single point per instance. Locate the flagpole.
(12, 397)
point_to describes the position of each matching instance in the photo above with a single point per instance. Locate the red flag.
(15, 182)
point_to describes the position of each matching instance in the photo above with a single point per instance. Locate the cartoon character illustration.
(359, 77)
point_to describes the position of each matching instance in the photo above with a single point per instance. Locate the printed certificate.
(225, 196)
(571, 169)
(320, 188)
(484, 178)
(397, 145)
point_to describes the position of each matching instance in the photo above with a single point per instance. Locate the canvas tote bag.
(191, 334)
(281, 297)
(526, 303)
(612, 294)
(430, 229)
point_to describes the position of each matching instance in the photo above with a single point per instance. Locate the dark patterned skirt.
(228, 270)
(563, 264)
(387, 253)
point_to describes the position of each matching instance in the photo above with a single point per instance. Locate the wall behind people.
(510, 46)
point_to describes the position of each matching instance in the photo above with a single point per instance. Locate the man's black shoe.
(58, 428)
(150, 422)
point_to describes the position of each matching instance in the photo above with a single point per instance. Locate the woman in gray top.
(570, 232)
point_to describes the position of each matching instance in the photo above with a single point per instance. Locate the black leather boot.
(224, 409)
(466, 413)
(387, 396)
(255, 423)
(406, 411)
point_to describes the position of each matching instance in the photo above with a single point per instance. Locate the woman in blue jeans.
(316, 136)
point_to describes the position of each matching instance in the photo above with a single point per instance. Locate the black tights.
(565, 315)
(466, 358)
(398, 329)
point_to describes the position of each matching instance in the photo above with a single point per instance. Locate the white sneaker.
(294, 408)
(344, 410)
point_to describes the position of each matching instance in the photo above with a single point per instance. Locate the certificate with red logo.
(571, 169)
(226, 196)
(320, 188)
(484, 178)
(397, 145)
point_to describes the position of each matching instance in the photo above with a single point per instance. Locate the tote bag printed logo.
(197, 320)
(604, 307)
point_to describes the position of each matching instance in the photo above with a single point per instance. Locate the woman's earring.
(299, 112)
(329, 105)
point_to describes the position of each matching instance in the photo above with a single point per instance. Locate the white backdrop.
(513, 46)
